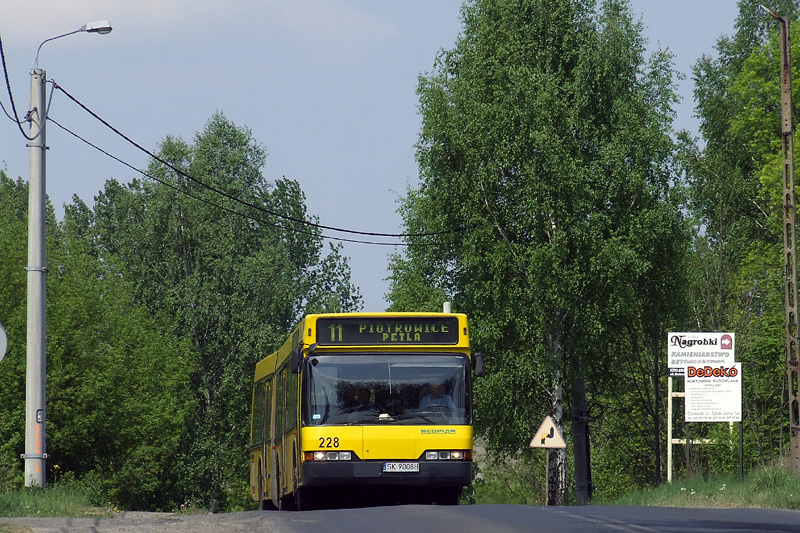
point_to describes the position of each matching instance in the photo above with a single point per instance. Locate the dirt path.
(144, 523)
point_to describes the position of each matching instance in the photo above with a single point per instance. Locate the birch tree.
(545, 151)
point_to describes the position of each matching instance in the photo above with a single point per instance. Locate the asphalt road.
(428, 518)
(528, 519)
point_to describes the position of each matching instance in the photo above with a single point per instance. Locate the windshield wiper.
(372, 417)
(410, 416)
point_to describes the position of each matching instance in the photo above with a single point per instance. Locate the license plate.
(401, 467)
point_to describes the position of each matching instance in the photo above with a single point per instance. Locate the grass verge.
(63, 500)
(515, 481)
(771, 487)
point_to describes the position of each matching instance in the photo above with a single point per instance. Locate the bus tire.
(304, 499)
(266, 503)
(260, 489)
(448, 495)
(286, 503)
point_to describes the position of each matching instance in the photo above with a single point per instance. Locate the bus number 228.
(329, 442)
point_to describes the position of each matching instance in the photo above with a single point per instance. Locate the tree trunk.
(580, 436)
(656, 413)
(557, 458)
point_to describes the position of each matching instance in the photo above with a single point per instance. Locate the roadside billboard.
(713, 393)
(698, 349)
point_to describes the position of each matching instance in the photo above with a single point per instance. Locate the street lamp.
(100, 26)
(35, 454)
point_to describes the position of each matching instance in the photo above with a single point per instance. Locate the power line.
(239, 200)
(204, 200)
(289, 218)
(232, 211)
(14, 118)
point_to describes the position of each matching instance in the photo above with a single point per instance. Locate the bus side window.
(280, 404)
(291, 399)
(259, 413)
(268, 411)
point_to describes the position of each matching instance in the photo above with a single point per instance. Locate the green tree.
(208, 241)
(727, 198)
(737, 201)
(545, 145)
(13, 246)
(118, 376)
(117, 395)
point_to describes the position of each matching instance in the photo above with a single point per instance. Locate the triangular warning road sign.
(548, 436)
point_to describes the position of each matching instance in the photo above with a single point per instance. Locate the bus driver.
(436, 398)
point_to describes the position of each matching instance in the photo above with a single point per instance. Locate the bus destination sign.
(360, 331)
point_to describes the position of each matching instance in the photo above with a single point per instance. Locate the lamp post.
(35, 455)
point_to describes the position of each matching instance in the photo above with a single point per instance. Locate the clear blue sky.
(326, 86)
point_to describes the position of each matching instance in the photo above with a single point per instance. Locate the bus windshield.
(385, 389)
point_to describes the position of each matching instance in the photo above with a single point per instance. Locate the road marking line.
(612, 523)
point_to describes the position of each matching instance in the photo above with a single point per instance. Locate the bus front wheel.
(304, 499)
(448, 495)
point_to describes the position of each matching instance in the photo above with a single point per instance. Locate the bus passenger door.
(266, 452)
(277, 448)
(257, 441)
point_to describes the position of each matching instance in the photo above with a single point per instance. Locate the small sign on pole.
(548, 436)
(3, 342)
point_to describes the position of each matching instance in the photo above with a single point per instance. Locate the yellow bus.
(359, 406)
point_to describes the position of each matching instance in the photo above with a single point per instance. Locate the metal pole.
(35, 414)
(741, 450)
(35, 455)
(687, 453)
(669, 430)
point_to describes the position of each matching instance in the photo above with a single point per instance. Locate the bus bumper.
(431, 474)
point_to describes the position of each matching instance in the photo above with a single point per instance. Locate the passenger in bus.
(364, 409)
(436, 398)
(362, 400)
(347, 400)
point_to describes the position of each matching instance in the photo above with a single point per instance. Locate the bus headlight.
(328, 456)
(445, 455)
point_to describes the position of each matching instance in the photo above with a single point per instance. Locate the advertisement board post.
(712, 383)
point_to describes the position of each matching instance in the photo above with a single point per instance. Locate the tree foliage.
(553, 202)
(226, 254)
(161, 298)
(737, 201)
(13, 238)
(117, 395)
(545, 149)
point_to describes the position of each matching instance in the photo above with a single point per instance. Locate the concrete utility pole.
(790, 245)
(35, 449)
(792, 343)
(35, 455)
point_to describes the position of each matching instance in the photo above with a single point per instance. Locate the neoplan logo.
(709, 372)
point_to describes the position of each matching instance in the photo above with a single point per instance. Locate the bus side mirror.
(480, 369)
(297, 359)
